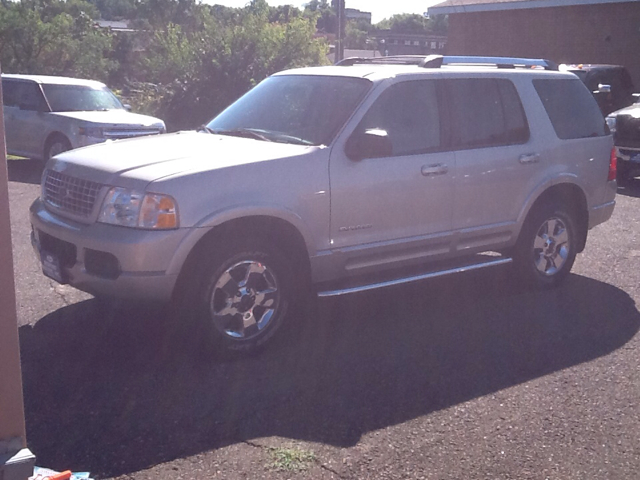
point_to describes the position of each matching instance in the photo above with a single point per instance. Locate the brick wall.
(607, 33)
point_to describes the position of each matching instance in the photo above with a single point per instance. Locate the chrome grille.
(70, 194)
(132, 132)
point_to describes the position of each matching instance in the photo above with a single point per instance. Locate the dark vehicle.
(611, 85)
(625, 125)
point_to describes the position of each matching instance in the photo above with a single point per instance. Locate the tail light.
(613, 165)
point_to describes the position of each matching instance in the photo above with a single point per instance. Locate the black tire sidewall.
(56, 139)
(523, 253)
(215, 262)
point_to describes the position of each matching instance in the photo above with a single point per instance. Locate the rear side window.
(9, 93)
(22, 94)
(571, 108)
(485, 112)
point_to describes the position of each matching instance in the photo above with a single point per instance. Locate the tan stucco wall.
(11, 407)
(606, 33)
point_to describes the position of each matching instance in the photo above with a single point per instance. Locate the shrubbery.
(184, 61)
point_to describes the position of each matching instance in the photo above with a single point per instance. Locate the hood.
(632, 110)
(112, 118)
(128, 163)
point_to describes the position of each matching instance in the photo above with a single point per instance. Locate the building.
(331, 56)
(565, 31)
(353, 14)
(115, 26)
(391, 43)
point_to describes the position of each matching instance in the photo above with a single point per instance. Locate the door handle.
(529, 158)
(432, 170)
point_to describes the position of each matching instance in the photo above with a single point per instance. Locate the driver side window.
(408, 112)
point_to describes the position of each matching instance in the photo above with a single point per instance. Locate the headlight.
(129, 208)
(611, 123)
(95, 132)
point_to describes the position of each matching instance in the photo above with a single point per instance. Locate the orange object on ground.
(66, 475)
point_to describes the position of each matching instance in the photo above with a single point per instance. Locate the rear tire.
(547, 247)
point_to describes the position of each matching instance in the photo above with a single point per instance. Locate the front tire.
(56, 145)
(243, 295)
(547, 247)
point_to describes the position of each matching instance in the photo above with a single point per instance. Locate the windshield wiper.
(240, 132)
(284, 138)
(204, 128)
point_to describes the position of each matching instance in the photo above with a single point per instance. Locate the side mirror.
(603, 88)
(374, 143)
(127, 107)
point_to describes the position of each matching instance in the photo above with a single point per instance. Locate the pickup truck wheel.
(56, 145)
(546, 248)
(245, 292)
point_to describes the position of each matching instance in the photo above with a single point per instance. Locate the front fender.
(216, 219)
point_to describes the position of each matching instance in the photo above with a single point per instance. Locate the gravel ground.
(466, 377)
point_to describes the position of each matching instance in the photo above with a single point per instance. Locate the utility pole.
(16, 461)
(341, 30)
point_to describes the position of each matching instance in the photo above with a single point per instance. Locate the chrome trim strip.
(400, 281)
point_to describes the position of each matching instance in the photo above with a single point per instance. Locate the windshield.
(582, 74)
(302, 109)
(78, 98)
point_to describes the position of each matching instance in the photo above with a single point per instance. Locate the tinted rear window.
(485, 112)
(571, 108)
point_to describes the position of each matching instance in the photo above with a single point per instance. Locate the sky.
(380, 9)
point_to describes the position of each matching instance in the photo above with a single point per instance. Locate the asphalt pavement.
(463, 378)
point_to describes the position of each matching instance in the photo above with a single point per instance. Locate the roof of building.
(469, 6)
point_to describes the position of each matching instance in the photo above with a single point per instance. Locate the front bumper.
(142, 256)
(629, 160)
(601, 213)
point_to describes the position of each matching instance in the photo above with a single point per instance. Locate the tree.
(325, 14)
(415, 24)
(53, 37)
(205, 71)
(115, 9)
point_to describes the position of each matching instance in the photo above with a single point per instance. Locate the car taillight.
(613, 165)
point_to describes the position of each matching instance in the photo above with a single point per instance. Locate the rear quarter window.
(571, 108)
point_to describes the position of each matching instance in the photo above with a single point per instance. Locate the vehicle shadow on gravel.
(107, 390)
(25, 170)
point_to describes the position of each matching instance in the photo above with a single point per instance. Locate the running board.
(415, 278)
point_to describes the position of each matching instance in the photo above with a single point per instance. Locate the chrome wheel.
(244, 300)
(551, 246)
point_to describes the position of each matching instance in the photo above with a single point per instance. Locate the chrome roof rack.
(436, 61)
(390, 60)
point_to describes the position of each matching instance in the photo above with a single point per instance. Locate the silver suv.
(345, 178)
(47, 115)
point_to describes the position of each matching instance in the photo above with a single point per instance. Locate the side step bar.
(415, 278)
